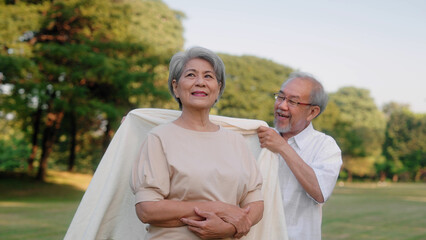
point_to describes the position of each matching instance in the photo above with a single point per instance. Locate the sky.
(379, 45)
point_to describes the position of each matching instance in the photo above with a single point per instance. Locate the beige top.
(181, 164)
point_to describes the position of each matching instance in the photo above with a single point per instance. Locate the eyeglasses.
(281, 98)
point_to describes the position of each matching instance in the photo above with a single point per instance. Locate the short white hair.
(318, 96)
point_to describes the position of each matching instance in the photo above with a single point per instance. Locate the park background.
(69, 71)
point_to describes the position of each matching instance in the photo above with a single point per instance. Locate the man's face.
(292, 119)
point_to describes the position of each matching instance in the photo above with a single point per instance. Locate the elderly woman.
(195, 179)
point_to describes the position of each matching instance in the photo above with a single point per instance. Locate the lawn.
(376, 211)
(31, 210)
(39, 211)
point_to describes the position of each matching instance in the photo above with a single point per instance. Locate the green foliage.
(96, 60)
(158, 26)
(91, 60)
(14, 149)
(17, 21)
(13, 154)
(405, 145)
(250, 84)
(328, 120)
(358, 127)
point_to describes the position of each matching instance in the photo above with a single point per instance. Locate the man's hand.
(211, 227)
(270, 139)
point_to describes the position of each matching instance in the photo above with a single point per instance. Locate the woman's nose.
(200, 81)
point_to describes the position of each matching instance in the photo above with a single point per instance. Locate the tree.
(18, 19)
(359, 130)
(90, 63)
(20, 100)
(250, 84)
(404, 147)
(329, 119)
(13, 146)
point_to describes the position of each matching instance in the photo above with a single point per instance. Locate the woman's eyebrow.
(189, 69)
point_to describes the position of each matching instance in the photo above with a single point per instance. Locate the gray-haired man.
(310, 161)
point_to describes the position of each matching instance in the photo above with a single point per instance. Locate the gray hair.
(178, 61)
(318, 96)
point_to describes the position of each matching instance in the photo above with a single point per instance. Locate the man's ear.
(174, 84)
(314, 111)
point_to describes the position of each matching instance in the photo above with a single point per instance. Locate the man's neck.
(291, 134)
(288, 135)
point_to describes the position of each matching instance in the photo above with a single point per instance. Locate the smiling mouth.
(201, 94)
(282, 115)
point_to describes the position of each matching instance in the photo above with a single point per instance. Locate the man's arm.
(271, 140)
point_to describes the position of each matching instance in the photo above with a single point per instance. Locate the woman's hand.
(168, 213)
(252, 213)
(238, 217)
(211, 227)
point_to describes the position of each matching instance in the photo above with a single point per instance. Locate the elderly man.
(310, 161)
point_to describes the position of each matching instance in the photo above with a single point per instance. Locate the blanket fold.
(107, 210)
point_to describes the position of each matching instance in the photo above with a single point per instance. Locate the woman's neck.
(196, 120)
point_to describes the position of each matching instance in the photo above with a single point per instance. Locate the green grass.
(376, 211)
(39, 211)
(33, 210)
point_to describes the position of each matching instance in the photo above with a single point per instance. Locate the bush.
(13, 154)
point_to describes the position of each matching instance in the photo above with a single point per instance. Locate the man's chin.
(282, 129)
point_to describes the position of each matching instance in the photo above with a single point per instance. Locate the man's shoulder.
(325, 139)
(321, 135)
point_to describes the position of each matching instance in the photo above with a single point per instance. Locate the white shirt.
(303, 214)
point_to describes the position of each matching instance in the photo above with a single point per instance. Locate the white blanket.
(107, 209)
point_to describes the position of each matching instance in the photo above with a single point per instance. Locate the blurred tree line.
(70, 70)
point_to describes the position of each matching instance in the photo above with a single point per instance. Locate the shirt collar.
(302, 138)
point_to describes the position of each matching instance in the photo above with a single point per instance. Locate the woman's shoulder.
(231, 134)
(162, 128)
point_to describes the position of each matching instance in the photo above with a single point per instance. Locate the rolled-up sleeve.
(150, 178)
(327, 168)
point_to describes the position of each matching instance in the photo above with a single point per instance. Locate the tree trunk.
(107, 136)
(53, 123)
(395, 178)
(419, 174)
(382, 176)
(349, 176)
(71, 159)
(36, 130)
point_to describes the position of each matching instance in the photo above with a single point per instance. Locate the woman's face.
(197, 87)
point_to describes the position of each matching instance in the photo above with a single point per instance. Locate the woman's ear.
(174, 84)
(220, 87)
